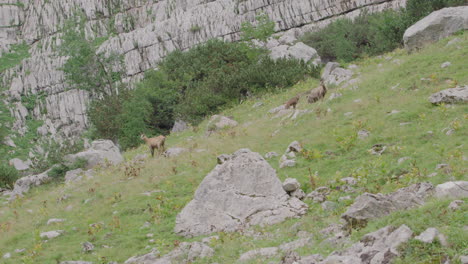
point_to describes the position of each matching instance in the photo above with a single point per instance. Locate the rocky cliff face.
(143, 31)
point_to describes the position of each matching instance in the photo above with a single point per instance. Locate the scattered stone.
(438, 25)
(290, 257)
(277, 109)
(151, 257)
(174, 152)
(334, 96)
(349, 180)
(358, 100)
(87, 247)
(19, 164)
(179, 126)
(441, 166)
(296, 244)
(271, 154)
(295, 146)
(218, 122)
(23, 184)
(20, 250)
(101, 152)
(9, 142)
(362, 134)
(377, 149)
(453, 41)
(455, 205)
(312, 259)
(329, 206)
(378, 247)
(405, 123)
(285, 162)
(299, 194)
(55, 221)
(261, 252)
(464, 259)
(51, 234)
(452, 190)
(345, 198)
(348, 113)
(395, 86)
(7, 255)
(428, 236)
(140, 158)
(393, 112)
(458, 94)
(319, 195)
(446, 64)
(291, 154)
(242, 191)
(401, 160)
(335, 75)
(291, 184)
(77, 175)
(257, 104)
(370, 206)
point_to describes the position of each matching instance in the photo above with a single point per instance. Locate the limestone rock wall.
(144, 31)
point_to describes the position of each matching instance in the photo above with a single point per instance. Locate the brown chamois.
(154, 143)
(292, 102)
(317, 93)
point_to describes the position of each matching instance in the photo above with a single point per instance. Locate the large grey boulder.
(23, 184)
(369, 206)
(101, 152)
(77, 175)
(378, 247)
(452, 190)
(298, 51)
(438, 25)
(179, 126)
(185, 253)
(242, 190)
(450, 96)
(333, 74)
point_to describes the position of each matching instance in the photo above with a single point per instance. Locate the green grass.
(17, 53)
(116, 204)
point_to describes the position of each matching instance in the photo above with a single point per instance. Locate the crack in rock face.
(242, 190)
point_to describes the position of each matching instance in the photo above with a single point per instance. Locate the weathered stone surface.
(299, 194)
(452, 190)
(370, 206)
(298, 51)
(218, 122)
(439, 24)
(101, 151)
(23, 184)
(261, 252)
(319, 195)
(333, 74)
(179, 126)
(242, 191)
(55, 221)
(51, 234)
(363, 134)
(87, 246)
(271, 154)
(428, 235)
(174, 152)
(291, 184)
(450, 96)
(295, 146)
(19, 164)
(378, 247)
(77, 175)
(285, 162)
(185, 253)
(455, 205)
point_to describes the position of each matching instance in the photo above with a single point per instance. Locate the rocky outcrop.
(218, 122)
(452, 190)
(333, 74)
(101, 152)
(370, 206)
(241, 191)
(298, 51)
(23, 185)
(143, 32)
(450, 96)
(438, 25)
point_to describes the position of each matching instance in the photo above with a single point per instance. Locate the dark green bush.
(371, 34)
(8, 176)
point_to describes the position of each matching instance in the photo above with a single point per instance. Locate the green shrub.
(8, 176)
(58, 171)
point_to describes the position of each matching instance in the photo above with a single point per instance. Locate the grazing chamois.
(317, 93)
(292, 102)
(154, 143)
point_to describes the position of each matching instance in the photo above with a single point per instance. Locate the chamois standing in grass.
(317, 93)
(154, 143)
(292, 102)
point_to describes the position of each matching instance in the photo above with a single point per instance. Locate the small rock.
(19, 250)
(455, 205)
(271, 154)
(291, 154)
(257, 104)
(393, 112)
(450, 132)
(87, 247)
(334, 96)
(345, 198)
(285, 162)
(458, 94)
(452, 190)
(405, 123)
(290, 257)
(261, 252)
(302, 242)
(7, 255)
(277, 109)
(401, 160)
(174, 152)
(349, 180)
(348, 113)
(362, 134)
(377, 149)
(149, 235)
(329, 206)
(357, 100)
(295, 146)
(299, 194)
(291, 184)
(51, 234)
(464, 259)
(55, 221)
(428, 236)
(446, 64)
(441, 166)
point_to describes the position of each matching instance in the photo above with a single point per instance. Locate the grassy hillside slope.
(111, 210)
